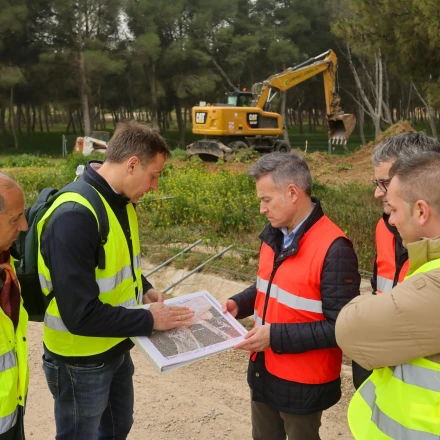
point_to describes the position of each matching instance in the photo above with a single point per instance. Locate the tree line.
(76, 61)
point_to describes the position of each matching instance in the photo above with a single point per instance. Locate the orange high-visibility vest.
(388, 272)
(293, 295)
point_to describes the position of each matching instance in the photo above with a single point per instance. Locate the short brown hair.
(419, 177)
(134, 139)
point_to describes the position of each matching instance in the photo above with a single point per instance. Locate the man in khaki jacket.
(398, 334)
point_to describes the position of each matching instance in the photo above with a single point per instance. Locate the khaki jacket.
(398, 326)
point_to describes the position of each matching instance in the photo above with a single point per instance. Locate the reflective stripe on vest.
(294, 297)
(14, 371)
(289, 299)
(7, 361)
(9, 421)
(401, 402)
(57, 324)
(105, 284)
(386, 424)
(118, 283)
(386, 259)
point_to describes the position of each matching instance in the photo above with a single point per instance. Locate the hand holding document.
(209, 331)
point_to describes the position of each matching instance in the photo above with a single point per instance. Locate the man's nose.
(378, 193)
(22, 224)
(154, 185)
(391, 220)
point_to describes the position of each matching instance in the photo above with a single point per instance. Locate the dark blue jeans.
(91, 401)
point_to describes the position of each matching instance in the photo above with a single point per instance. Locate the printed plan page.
(211, 332)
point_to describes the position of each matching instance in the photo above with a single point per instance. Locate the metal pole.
(196, 269)
(172, 258)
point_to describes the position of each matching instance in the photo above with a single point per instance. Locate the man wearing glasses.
(391, 263)
(397, 333)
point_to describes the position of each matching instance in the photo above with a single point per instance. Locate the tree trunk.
(361, 123)
(153, 86)
(2, 119)
(83, 82)
(300, 121)
(13, 119)
(40, 122)
(283, 96)
(430, 113)
(28, 120)
(19, 119)
(180, 123)
(46, 118)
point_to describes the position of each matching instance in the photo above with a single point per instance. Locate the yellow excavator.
(245, 121)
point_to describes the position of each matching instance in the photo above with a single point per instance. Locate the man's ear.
(132, 163)
(292, 191)
(422, 212)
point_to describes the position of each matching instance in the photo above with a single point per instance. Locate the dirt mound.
(331, 170)
(353, 168)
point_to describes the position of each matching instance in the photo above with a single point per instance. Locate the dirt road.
(206, 400)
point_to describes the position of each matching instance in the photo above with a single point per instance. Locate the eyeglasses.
(382, 184)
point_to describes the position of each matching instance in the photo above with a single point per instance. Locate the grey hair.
(404, 145)
(6, 182)
(285, 169)
(419, 178)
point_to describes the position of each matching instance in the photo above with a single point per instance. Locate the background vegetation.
(219, 206)
(74, 62)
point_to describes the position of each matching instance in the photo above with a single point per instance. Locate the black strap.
(82, 188)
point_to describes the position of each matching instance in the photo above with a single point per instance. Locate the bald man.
(14, 371)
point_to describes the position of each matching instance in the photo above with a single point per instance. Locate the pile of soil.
(333, 170)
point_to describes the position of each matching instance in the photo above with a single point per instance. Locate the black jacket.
(69, 248)
(340, 281)
(400, 255)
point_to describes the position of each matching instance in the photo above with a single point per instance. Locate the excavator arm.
(341, 125)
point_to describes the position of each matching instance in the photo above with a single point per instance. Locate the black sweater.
(69, 248)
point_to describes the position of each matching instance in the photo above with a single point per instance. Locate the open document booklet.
(211, 332)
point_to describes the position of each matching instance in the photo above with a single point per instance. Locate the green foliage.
(33, 180)
(179, 153)
(220, 202)
(24, 160)
(222, 207)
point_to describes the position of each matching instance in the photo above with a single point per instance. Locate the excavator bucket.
(341, 127)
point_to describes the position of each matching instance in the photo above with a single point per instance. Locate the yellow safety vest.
(401, 402)
(14, 370)
(117, 285)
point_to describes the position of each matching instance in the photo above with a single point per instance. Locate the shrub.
(24, 160)
(221, 202)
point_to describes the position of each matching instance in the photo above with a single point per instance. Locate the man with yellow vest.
(391, 264)
(86, 358)
(307, 272)
(397, 333)
(14, 371)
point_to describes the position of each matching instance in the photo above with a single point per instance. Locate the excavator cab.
(240, 99)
